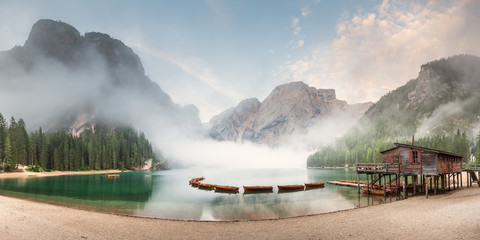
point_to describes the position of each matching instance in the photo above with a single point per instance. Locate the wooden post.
(414, 182)
(448, 175)
(459, 179)
(468, 179)
(422, 183)
(430, 183)
(384, 186)
(358, 183)
(443, 183)
(390, 181)
(426, 187)
(368, 185)
(435, 179)
(405, 186)
(453, 180)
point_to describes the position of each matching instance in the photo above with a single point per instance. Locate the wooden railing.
(471, 167)
(370, 167)
(377, 167)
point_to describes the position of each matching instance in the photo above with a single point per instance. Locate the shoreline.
(443, 216)
(26, 174)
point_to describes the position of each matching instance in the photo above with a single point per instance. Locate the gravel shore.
(454, 215)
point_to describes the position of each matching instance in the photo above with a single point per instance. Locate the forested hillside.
(440, 107)
(105, 148)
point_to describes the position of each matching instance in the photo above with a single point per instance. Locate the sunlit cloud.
(306, 11)
(295, 26)
(387, 46)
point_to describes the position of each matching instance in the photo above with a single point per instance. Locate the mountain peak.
(290, 109)
(55, 39)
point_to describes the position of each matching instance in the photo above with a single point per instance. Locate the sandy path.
(455, 215)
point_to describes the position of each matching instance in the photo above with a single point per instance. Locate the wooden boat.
(290, 187)
(314, 185)
(226, 188)
(205, 185)
(376, 191)
(257, 188)
(195, 181)
(112, 176)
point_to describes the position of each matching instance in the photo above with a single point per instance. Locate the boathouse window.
(414, 157)
(395, 159)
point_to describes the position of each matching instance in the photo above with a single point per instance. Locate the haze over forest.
(157, 73)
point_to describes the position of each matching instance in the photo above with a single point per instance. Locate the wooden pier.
(348, 184)
(472, 171)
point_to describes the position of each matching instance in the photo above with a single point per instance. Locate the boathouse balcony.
(391, 168)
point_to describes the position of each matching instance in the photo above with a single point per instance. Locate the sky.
(213, 53)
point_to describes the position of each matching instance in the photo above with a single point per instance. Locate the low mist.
(52, 95)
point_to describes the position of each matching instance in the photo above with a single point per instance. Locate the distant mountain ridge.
(441, 107)
(290, 109)
(443, 98)
(106, 78)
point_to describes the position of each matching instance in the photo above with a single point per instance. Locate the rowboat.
(226, 188)
(205, 185)
(195, 183)
(257, 188)
(112, 176)
(314, 185)
(376, 191)
(290, 187)
(223, 188)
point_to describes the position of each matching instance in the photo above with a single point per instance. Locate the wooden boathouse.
(413, 168)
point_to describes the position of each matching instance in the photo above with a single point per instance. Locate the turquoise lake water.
(167, 194)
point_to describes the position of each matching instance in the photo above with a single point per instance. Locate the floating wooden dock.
(346, 184)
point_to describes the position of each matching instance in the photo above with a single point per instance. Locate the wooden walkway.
(346, 184)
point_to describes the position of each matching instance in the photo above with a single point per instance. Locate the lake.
(167, 194)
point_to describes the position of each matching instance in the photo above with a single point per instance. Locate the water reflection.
(130, 190)
(167, 194)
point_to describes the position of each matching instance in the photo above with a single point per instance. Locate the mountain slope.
(442, 101)
(60, 79)
(290, 110)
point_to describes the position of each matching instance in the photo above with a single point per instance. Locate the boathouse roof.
(421, 148)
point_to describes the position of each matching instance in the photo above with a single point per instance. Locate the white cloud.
(300, 43)
(295, 26)
(306, 11)
(387, 47)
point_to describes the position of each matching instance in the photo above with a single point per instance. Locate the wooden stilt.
(459, 179)
(368, 185)
(405, 186)
(384, 186)
(426, 187)
(422, 183)
(414, 182)
(469, 184)
(435, 179)
(358, 184)
(453, 180)
(390, 181)
(431, 183)
(448, 175)
(443, 183)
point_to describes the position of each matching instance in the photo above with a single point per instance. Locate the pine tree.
(8, 155)
(3, 138)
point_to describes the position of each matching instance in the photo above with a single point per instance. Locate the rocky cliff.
(442, 99)
(78, 80)
(289, 109)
